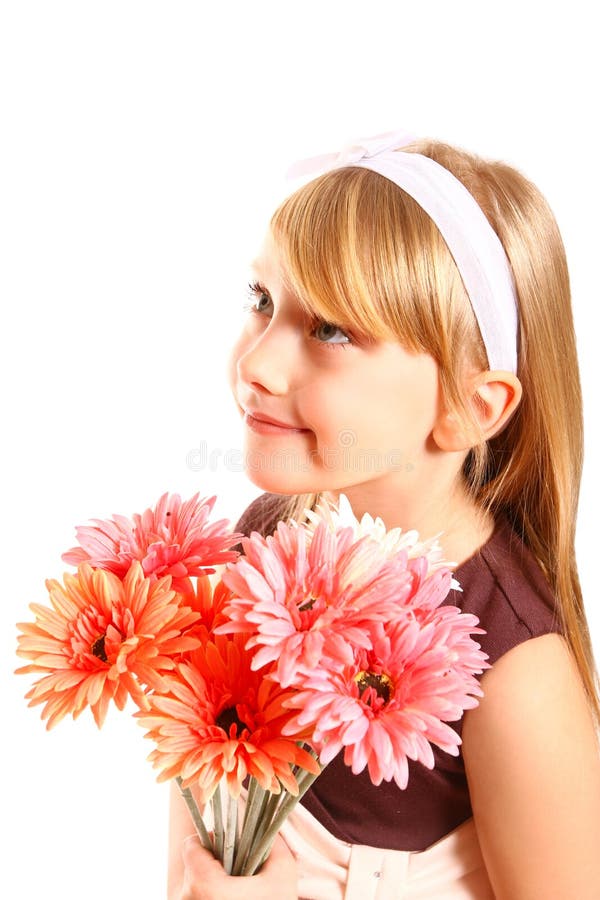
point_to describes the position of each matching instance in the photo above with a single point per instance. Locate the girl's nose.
(267, 361)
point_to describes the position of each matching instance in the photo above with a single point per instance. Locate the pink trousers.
(330, 869)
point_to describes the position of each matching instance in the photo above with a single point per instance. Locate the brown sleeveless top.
(502, 585)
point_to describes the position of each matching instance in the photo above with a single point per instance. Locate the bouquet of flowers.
(324, 637)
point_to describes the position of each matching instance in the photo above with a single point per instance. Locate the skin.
(531, 756)
(204, 879)
(533, 767)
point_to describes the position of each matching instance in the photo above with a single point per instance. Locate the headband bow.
(351, 153)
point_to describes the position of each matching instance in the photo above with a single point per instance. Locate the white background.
(141, 147)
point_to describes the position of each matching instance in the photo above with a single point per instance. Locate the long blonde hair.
(358, 250)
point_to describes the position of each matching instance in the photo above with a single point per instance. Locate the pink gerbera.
(102, 640)
(217, 719)
(302, 602)
(394, 700)
(173, 538)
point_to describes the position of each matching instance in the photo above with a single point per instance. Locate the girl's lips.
(263, 427)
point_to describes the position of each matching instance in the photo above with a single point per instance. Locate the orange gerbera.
(218, 719)
(208, 600)
(102, 639)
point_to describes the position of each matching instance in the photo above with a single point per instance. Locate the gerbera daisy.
(215, 718)
(301, 603)
(208, 600)
(102, 639)
(173, 538)
(395, 699)
(340, 515)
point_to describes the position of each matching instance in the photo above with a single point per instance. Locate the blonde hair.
(359, 251)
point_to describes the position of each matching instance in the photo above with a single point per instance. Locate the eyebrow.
(256, 264)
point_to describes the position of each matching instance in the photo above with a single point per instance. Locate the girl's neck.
(462, 525)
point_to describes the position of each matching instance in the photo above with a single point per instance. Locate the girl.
(410, 344)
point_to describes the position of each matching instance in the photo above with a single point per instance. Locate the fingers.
(203, 873)
(281, 862)
(205, 879)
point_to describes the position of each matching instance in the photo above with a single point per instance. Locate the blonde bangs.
(361, 253)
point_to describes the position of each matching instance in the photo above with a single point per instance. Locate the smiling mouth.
(263, 426)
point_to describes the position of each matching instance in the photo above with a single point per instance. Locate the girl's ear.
(494, 397)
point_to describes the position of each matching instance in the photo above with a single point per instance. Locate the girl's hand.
(205, 879)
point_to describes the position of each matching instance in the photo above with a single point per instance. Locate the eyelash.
(256, 289)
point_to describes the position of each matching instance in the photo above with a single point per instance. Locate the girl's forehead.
(269, 266)
(268, 257)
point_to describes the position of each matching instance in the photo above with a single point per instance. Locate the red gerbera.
(215, 718)
(209, 601)
(102, 639)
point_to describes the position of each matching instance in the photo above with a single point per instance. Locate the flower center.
(308, 604)
(228, 718)
(98, 648)
(373, 687)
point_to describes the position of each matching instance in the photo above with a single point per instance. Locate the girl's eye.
(323, 331)
(260, 298)
(329, 330)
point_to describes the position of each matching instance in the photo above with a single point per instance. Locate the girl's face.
(359, 413)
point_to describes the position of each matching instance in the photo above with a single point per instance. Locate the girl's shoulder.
(504, 586)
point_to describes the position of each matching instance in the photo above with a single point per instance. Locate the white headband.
(473, 243)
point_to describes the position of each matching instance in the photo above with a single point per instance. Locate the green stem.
(230, 835)
(261, 848)
(254, 788)
(253, 817)
(272, 806)
(195, 814)
(269, 808)
(218, 823)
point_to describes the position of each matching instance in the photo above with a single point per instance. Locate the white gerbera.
(340, 515)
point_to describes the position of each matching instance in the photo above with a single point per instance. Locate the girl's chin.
(290, 483)
(278, 483)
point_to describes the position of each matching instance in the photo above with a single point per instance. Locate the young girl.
(410, 344)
